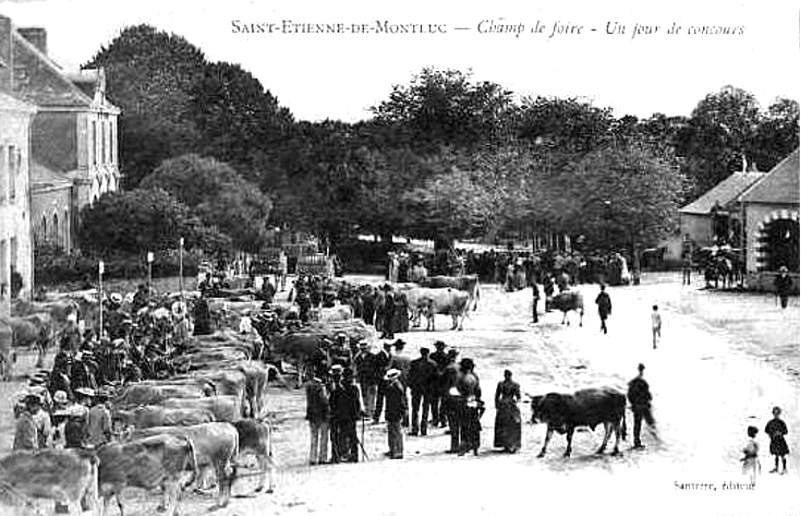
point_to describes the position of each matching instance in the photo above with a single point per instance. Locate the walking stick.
(361, 445)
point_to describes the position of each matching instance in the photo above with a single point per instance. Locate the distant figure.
(656, 325)
(686, 268)
(750, 458)
(776, 429)
(639, 395)
(535, 300)
(783, 284)
(604, 303)
(283, 269)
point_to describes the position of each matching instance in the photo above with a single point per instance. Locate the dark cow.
(216, 447)
(150, 416)
(568, 301)
(469, 284)
(586, 407)
(65, 476)
(432, 301)
(255, 437)
(149, 463)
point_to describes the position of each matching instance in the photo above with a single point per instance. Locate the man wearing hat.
(26, 434)
(338, 411)
(440, 357)
(98, 420)
(422, 384)
(639, 395)
(318, 413)
(381, 365)
(395, 394)
(402, 362)
(783, 284)
(364, 361)
(75, 429)
(346, 410)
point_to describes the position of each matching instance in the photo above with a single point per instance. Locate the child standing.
(776, 429)
(750, 457)
(656, 324)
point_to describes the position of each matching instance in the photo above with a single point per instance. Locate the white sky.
(341, 76)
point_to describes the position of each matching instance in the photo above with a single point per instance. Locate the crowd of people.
(434, 390)
(67, 406)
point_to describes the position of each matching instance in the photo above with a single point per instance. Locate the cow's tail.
(623, 432)
(193, 464)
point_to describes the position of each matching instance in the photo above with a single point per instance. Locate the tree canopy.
(218, 195)
(444, 156)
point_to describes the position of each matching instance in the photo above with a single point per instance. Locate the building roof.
(10, 103)
(723, 193)
(779, 186)
(43, 177)
(39, 80)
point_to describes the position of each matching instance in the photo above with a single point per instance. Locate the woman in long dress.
(507, 416)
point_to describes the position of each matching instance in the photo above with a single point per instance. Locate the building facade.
(770, 210)
(74, 137)
(16, 250)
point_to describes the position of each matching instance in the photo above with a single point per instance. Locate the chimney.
(6, 55)
(37, 36)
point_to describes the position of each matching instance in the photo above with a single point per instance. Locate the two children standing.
(776, 430)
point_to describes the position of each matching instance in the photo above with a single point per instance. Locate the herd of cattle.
(171, 433)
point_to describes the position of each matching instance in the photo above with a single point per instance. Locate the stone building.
(16, 250)
(769, 209)
(714, 218)
(74, 137)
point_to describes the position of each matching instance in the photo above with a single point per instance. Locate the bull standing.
(586, 407)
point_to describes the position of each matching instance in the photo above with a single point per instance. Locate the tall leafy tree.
(137, 221)
(720, 137)
(446, 108)
(149, 74)
(218, 194)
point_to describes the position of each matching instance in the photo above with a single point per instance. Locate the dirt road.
(725, 360)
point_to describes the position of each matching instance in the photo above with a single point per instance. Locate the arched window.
(56, 234)
(66, 230)
(44, 229)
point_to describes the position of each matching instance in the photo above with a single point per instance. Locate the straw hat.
(392, 374)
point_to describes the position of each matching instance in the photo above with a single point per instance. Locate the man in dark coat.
(604, 303)
(783, 284)
(389, 316)
(422, 383)
(452, 400)
(349, 411)
(318, 414)
(202, 317)
(381, 366)
(440, 357)
(396, 411)
(535, 300)
(639, 395)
